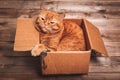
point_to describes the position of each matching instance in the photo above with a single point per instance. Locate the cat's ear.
(42, 8)
(61, 16)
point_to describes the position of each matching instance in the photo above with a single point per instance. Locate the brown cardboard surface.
(67, 62)
(26, 35)
(94, 37)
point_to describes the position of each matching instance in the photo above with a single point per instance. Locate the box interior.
(82, 25)
(92, 36)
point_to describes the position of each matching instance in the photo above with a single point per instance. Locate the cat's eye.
(42, 18)
(52, 22)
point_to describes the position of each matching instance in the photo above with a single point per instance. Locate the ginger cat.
(57, 34)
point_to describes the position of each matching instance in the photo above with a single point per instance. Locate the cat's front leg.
(36, 51)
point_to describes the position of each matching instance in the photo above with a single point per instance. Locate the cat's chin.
(43, 31)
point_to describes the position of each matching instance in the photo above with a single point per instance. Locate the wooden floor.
(105, 14)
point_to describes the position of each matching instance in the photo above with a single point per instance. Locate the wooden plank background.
(105, 14)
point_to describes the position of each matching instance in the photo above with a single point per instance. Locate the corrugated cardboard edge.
(95, 38)
(25, 39)
(67, 62)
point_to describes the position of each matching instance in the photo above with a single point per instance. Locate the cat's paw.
(36, 51)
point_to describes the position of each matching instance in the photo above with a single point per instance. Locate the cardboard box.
(61, 62)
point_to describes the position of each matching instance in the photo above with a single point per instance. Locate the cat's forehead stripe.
(50, 15)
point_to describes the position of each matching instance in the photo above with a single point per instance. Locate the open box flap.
(25, 39)
(96, 42)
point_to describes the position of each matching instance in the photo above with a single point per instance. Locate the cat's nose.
(46, 23)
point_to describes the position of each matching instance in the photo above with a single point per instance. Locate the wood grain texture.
(84, 8)
(21, 66)
(92, 76)
(28, 67)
